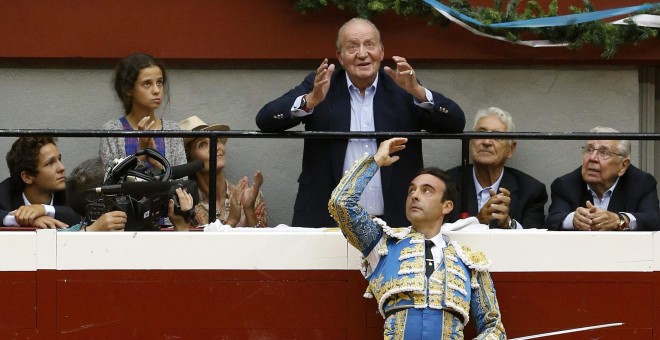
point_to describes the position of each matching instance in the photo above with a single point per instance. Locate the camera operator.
(89, 175)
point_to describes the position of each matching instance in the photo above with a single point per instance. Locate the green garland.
(600, 34)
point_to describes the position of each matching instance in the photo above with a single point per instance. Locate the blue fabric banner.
(561, 20)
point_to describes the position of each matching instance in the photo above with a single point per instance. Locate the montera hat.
(195, 123)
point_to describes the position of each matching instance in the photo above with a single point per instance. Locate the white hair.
(502, 115)
(340, 33)
(623, 147)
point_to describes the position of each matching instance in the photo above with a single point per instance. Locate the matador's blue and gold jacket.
(460, 285)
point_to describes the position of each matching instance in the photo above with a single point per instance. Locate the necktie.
(430, 266)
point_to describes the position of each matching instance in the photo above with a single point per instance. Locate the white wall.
(316, 249)
(540, 99)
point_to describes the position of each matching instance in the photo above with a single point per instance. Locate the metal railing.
(464, 137)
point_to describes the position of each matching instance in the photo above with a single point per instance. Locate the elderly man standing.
(426, 285)
(360, 97)
(606, 193)
(499, 196)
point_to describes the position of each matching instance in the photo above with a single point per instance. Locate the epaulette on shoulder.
(474, 259)
(398, 233)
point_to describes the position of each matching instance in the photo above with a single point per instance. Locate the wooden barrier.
(267, 284)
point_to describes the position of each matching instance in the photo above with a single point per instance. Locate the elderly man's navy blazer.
(635, 193)
(11, 200)
(528, 197)
(323, 159)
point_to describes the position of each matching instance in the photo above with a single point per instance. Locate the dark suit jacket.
(323, 159)
(635, 194)
(528, 197)
(11, 200)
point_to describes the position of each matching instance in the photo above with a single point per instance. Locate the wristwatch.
(623, 224)
(303, 103)
(513, 224)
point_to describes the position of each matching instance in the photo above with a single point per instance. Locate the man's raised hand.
(383, 156)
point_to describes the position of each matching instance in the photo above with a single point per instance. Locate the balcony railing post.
(465, 175)
(213, 164)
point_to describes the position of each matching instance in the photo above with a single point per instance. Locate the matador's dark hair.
(451, 193)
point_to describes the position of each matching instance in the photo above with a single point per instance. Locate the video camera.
(143, 192)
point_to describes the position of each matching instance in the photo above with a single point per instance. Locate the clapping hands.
(593, 218)
(242, 200)
(144, 124)
(496, 209)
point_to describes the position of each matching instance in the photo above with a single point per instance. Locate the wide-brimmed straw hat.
(195, 123)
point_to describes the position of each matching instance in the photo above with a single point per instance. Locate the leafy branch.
(605, 36)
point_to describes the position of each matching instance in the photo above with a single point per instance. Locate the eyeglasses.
(603, 154)
(353, 47)
(499, 140)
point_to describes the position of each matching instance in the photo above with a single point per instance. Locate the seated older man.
(606, 193)
(500, 196)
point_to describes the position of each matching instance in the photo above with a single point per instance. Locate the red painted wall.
(303, 304)
(259, 31)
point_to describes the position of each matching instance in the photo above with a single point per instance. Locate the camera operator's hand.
(26, 214)
(249, 197)
(47, 222)
(235, 205)
(186, 203)
(110, 221)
